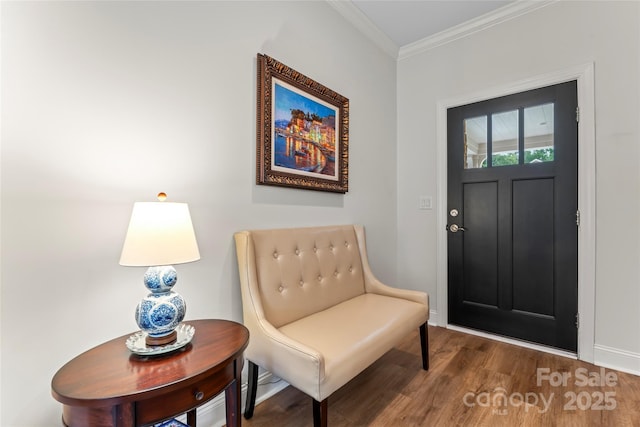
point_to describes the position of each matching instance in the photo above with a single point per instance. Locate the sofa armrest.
(373, 285)
(268, 347)
(296, 363)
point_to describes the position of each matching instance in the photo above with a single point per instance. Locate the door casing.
(584, 75)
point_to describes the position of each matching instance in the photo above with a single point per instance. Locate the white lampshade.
(160, 233)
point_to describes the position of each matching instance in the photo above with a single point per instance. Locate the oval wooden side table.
(108, 386)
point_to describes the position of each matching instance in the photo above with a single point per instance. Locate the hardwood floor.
(472, 381)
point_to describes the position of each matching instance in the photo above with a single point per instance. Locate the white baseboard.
(213, 413)
(614, 358)
(433, 318)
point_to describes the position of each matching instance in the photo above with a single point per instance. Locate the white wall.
(562, 35)
(107, 103)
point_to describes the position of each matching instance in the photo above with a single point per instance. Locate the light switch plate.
(424, 202)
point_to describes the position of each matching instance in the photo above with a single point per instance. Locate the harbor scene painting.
(304, 133)
(302, 130)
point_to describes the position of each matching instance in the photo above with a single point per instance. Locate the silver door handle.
(454, 228)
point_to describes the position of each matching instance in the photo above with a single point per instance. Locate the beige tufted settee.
(316, 314)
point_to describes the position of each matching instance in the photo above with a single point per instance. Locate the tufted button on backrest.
(305, 270)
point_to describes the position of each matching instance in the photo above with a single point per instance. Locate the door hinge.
(578, 320)
(578, 114)
(578, 218)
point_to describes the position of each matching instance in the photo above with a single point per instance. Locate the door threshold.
(514, 341)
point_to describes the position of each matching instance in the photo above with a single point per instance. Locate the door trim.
(584, 75)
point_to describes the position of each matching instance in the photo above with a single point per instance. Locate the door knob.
(454, 228)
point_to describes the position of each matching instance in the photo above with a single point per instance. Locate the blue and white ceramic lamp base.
(162, 310)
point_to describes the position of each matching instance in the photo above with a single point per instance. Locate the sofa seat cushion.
(352, 335)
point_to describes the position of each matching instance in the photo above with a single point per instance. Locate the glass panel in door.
(538, 134)
(504, 137)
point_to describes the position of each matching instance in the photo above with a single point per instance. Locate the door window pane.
(475, 142)
(504, 138)
(538, 134)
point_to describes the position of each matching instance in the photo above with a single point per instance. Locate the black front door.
(512, 211)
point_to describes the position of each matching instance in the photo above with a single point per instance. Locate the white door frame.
(584, 74)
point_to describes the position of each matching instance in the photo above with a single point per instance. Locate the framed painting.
(302, 131)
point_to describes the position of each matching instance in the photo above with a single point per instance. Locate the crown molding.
(488, 20)
(358, 19)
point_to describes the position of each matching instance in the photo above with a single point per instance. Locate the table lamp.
(160, 234)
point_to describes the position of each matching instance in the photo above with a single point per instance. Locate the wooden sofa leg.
(424, 344)
(320, 413)
(252, 386)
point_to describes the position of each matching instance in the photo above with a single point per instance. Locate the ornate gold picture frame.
(302, 131)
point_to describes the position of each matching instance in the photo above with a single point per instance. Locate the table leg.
(191, 417)
(232, 401)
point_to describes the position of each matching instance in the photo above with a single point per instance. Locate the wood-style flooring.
(472, 381)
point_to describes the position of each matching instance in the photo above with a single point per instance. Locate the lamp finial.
(162, 196)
